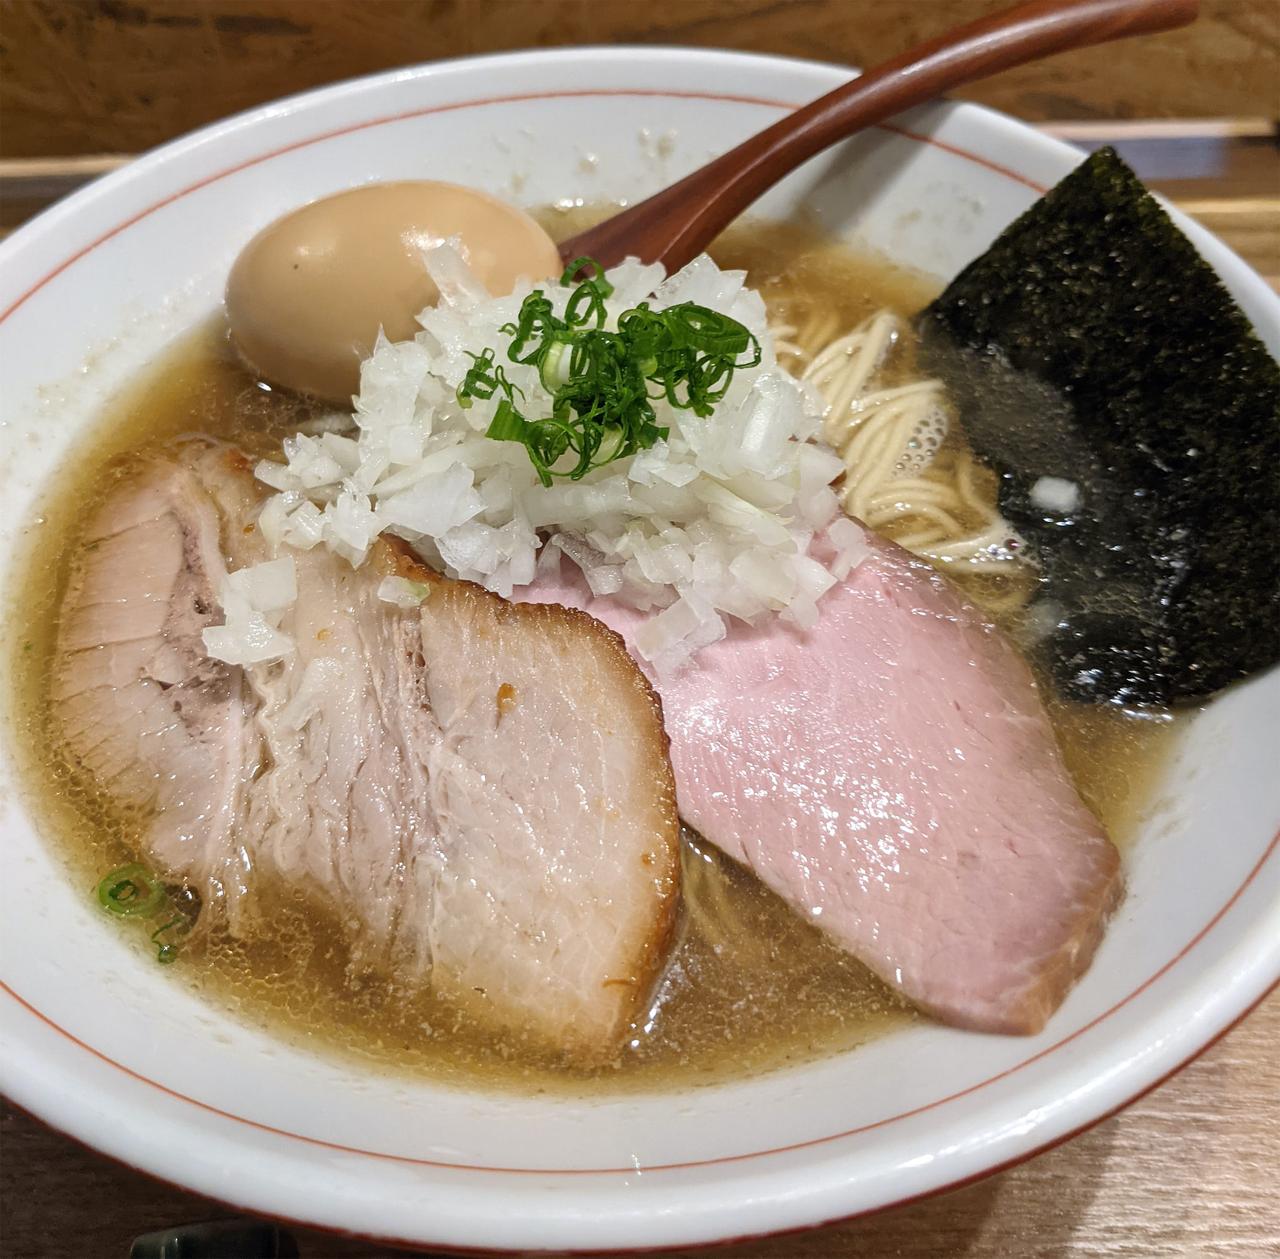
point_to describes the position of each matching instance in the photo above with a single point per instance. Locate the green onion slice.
(166, 950)
(132, 891)
(603, 383)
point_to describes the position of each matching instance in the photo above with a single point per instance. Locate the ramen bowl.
(113, 1051)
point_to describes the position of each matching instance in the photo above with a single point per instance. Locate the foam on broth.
(750, 985)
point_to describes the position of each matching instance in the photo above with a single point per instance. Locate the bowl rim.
(84, 200)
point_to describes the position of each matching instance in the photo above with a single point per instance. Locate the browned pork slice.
(555, 806)
(892, 774)
(481, 792)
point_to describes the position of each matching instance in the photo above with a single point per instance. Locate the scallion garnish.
(133, 891)
(166, 950)
(603, 383)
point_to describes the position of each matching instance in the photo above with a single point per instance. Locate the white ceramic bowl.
(115, 1053)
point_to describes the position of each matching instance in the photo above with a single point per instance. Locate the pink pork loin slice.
(893, 775)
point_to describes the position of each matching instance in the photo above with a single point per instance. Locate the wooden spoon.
(678, 223)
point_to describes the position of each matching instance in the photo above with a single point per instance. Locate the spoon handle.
(678, 223)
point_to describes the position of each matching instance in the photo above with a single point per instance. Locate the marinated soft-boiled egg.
(307, 295)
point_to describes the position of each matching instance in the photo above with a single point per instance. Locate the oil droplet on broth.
(750, 985)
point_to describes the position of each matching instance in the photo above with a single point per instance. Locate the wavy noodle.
(907, 474)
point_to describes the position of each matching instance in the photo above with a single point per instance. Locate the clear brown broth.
(750, 986)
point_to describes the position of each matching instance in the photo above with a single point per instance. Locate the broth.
(749, 986)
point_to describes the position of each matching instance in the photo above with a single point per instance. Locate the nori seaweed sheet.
(1092, 342)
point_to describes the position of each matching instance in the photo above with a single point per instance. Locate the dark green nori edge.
(1095, 319)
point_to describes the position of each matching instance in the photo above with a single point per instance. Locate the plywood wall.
(85, 76)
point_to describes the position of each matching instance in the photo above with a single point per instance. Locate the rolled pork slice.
(163, 729)
(893, 775)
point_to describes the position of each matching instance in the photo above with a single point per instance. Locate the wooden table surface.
(1191, 1170)
(118, 75)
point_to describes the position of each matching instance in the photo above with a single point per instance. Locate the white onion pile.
(715, 521)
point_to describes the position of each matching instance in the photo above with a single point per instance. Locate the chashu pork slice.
(893, 775)
(481, 792)
(162, 728)
(484, 787)
(555, 808)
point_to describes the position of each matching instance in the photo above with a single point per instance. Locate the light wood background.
(121, 75)
(1190, 1172)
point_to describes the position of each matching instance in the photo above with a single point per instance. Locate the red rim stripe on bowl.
(664, 1167)
(629, 1170)
(724, 97)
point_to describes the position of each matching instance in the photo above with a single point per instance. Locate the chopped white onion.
(403, 592)
(850, 541)
(268, 587)
(249, 640)
(253, 600)
(715, 520)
